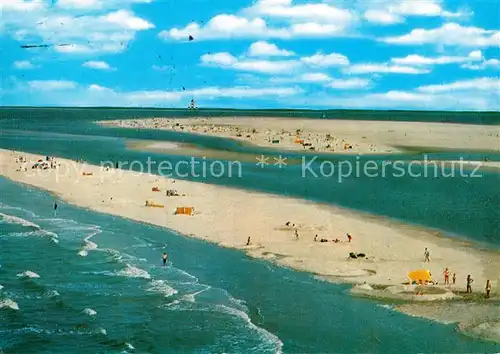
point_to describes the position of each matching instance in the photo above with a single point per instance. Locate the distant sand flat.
(332, 136)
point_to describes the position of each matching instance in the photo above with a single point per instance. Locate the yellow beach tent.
(420, 276)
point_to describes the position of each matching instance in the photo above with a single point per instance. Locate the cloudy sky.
(381, 54)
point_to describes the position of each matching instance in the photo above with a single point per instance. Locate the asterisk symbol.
(280, 161)
(262, 161)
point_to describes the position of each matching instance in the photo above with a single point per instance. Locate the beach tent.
(420, 276)
(184, 211)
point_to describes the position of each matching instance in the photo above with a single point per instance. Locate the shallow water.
(206, 300)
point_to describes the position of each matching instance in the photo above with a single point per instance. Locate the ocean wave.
(269, 337)
(11, 219)
(9, 207)
(28, 274)
(52, 293)
(160, 286)
(89, 245)
(129, 346)
(8, 303)
(123, 257)
(89, 312)
(134, 272)
(1, 287)
(36, 233)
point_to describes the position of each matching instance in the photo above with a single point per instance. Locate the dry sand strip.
(331, 136)
(229, 216)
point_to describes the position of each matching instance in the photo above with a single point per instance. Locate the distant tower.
(192, 105)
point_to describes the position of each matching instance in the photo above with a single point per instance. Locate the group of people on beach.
(447, 273)
(316, 239)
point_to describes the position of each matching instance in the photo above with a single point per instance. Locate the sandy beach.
(392, 248)
(228, 217)
(331, 136)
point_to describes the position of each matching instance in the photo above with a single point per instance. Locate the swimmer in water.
(164, 259)
(55, 208)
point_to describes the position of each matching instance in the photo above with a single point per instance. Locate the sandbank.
(229, 216)
(330, 136)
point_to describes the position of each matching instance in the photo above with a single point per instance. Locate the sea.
(81, 281)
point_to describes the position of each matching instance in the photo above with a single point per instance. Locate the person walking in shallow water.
(427, 255)
(164, 259)
(55, 208)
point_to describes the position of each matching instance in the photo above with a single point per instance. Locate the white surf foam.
(129, 346)
(134, 272)
(1, 287)
(89, 245)
(28, 274)
(8, 303)
(89, 312)
(8, 207)
(160, 286)
(11, 219)
(267, 336)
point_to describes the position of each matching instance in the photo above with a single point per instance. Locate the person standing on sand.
(488, 288)
(164, 259)
(427, 255)
(349, 238)
(248, 241)
(454, 278)
(296, 234)
(469, 284)
(446, 274)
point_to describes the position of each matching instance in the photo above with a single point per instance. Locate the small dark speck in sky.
(191, 38)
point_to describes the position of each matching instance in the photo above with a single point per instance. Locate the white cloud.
(351, 83)
(69, 93)
(479, 84)
(265, 49)
(382, 17)
(51, 85)
(314, 12)
(395, 11)
(326, 80)
(310, 78)
(450, 34)
(99, 88)
(490, 63)
(326, 60)
(228, 61)
(302, 20)
(415, 59)
(89, 31)
(226, 27)
(23, 65)
(96, 4)
(383, 68)
(21, 5)
(98, 65)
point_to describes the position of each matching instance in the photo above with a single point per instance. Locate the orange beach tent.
(420, 276)
(184, 211)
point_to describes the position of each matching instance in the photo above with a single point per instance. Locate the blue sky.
(390, 54)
